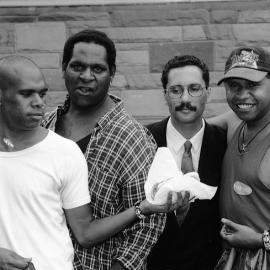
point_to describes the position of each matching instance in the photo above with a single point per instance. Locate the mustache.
(185, 105)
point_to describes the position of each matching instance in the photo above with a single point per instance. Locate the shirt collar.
(111, 114)
(52, 117)
(178, 140)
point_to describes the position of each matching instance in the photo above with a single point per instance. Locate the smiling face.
(249, 100)
(87, 75)
(23, 97)
(186, 109)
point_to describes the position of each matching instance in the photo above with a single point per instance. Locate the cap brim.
(244, 73)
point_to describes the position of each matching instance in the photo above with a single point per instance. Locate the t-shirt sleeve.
(75, 191)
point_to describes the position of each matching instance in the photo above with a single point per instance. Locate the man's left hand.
(183, 209)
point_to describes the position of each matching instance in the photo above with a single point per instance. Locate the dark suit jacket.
(196, 245)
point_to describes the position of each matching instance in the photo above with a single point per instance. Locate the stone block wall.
(146, 36)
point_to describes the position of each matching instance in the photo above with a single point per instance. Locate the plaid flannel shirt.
(119, 154)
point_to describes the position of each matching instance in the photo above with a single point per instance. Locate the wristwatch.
(138, 211)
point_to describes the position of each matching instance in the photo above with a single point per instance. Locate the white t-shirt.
(35, 185)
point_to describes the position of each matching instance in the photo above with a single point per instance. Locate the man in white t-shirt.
(41, 172)
(43, 181)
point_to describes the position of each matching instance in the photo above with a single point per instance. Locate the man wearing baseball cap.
(245, 188)
(250, 63)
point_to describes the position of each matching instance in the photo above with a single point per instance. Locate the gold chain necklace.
(242, 146)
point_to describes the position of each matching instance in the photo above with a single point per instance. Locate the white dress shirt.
(175, 142)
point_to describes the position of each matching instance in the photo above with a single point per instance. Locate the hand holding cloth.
(164, 176)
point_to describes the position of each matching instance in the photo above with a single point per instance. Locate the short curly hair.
(90, 36)
(182, 61)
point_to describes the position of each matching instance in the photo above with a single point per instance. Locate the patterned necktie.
(187, 165)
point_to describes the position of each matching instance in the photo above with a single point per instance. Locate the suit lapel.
(163, 126)
(158, 130)
(207, 155)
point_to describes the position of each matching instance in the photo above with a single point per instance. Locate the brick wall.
(146, 36)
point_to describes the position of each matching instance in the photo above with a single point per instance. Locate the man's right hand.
(10, 260)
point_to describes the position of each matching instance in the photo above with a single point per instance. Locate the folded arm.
(241, 236)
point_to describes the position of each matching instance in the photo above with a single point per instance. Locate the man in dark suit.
(195, 244)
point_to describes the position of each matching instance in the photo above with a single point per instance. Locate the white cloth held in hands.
(164, 176)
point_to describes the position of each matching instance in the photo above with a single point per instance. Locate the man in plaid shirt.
(118, 150)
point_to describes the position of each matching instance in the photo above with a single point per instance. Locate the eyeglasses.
(176, 91)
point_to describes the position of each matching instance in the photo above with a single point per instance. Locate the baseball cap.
(250, 63)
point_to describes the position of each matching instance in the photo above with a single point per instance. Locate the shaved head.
(14, 68)
(22, 93)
